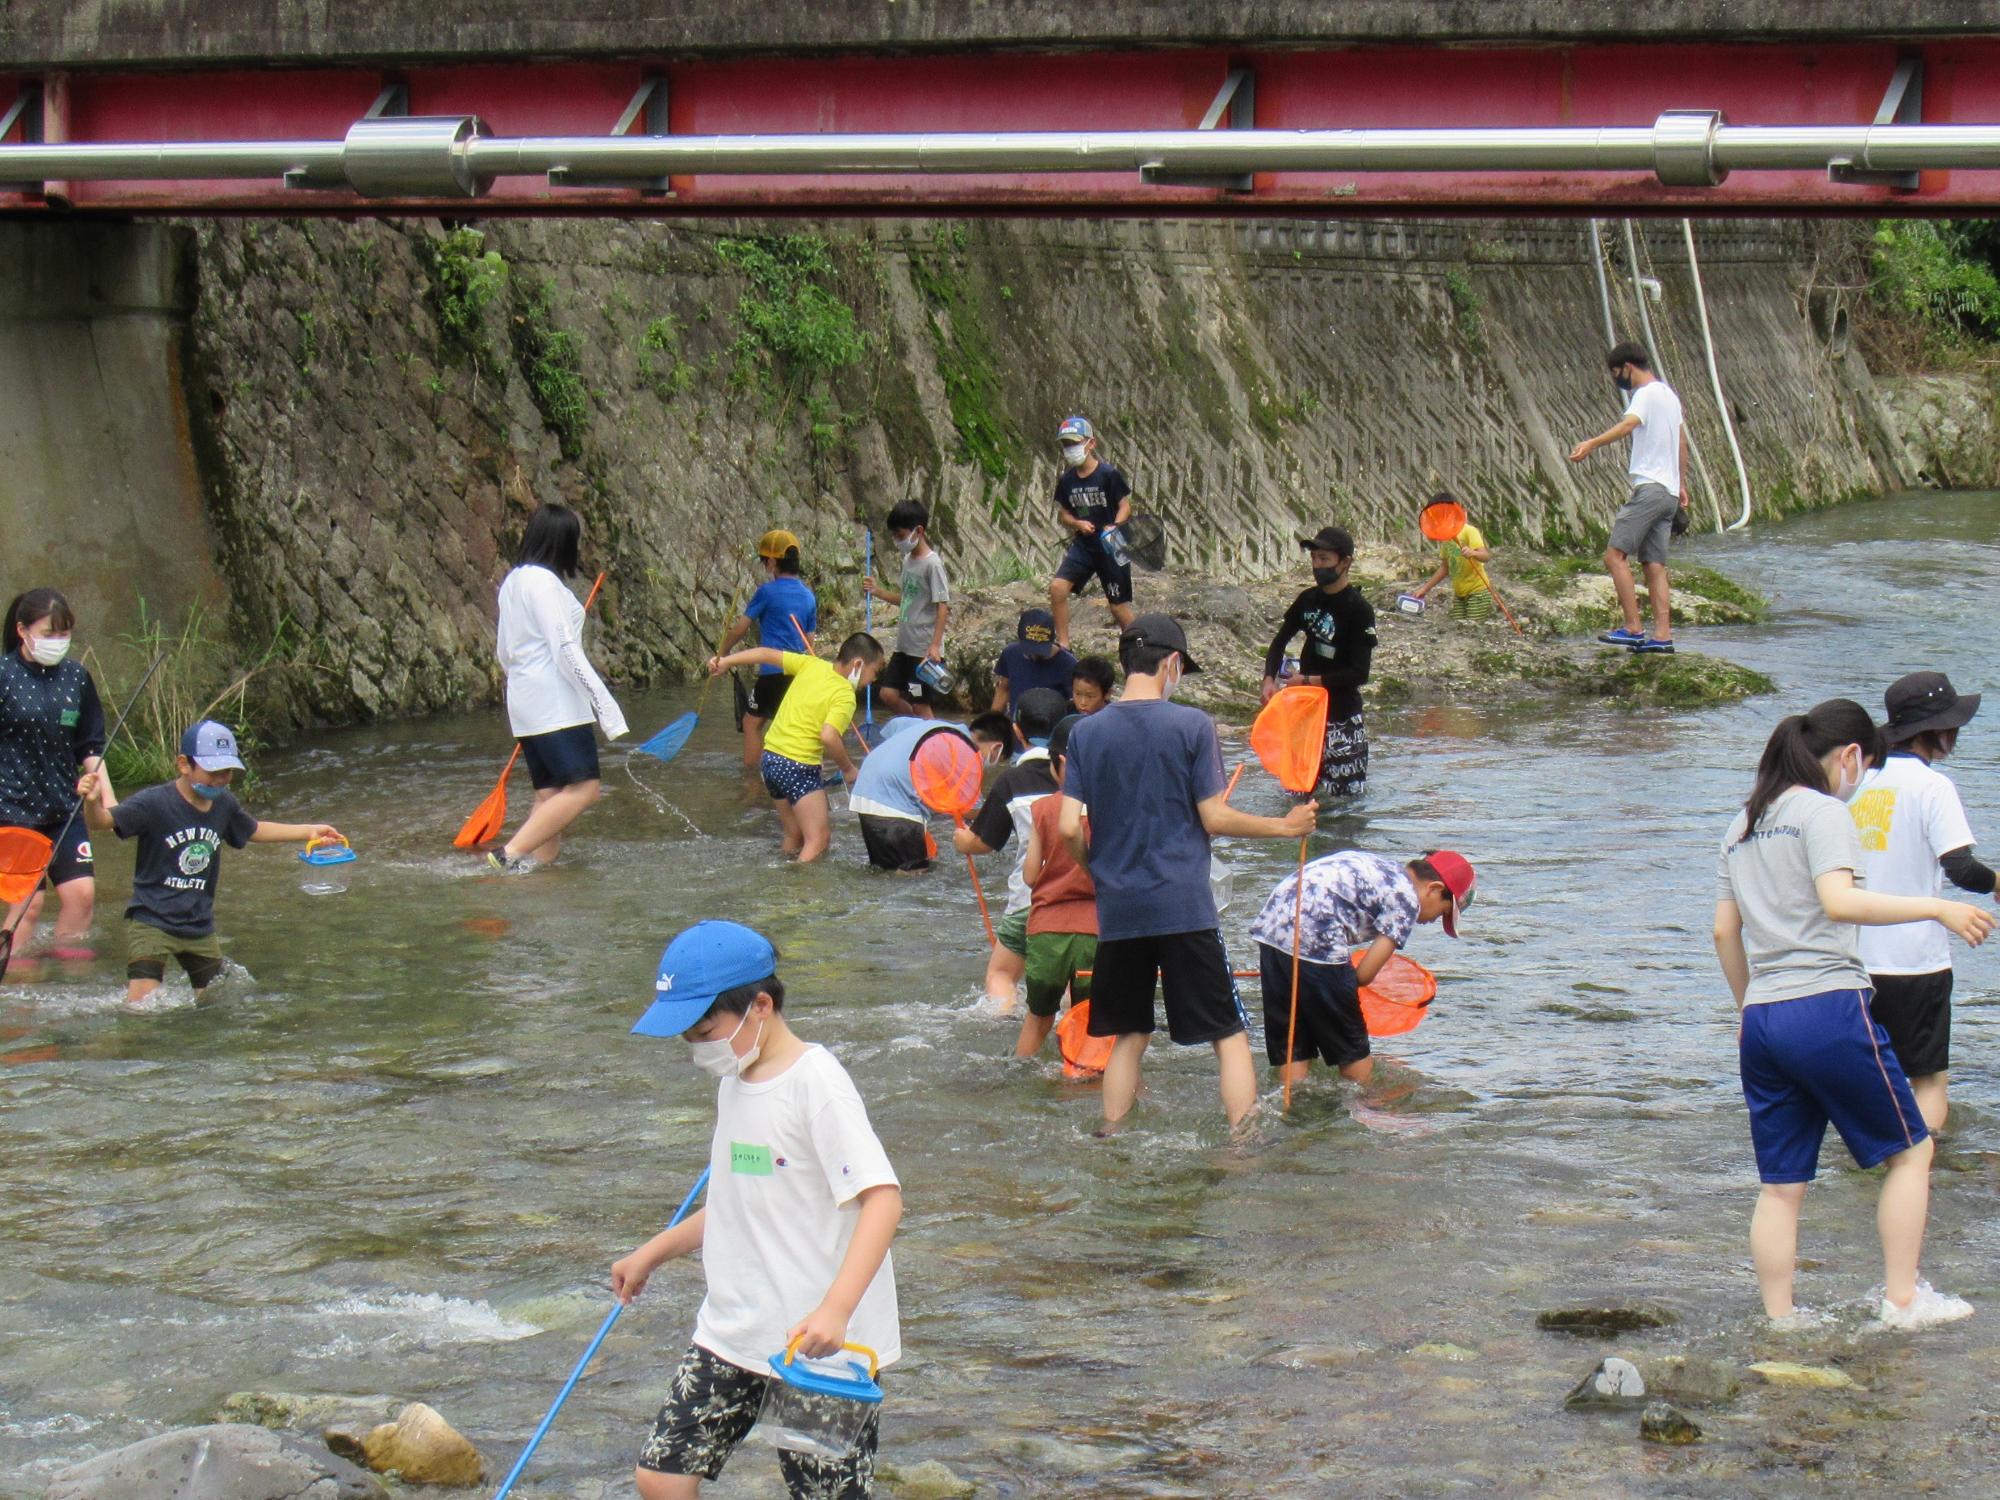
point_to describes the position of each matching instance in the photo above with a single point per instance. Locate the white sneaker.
(1928, 1309)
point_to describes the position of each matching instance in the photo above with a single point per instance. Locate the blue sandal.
(1623, 637)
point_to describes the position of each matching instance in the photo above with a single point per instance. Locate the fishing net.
(1399, 997)
(1290, 736)
(1443, 520)
(24, 860)
(945, 773)
(1146, 540)
(1083, 1055)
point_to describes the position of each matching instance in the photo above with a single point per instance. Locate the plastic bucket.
(326, 862)
(818, 1407)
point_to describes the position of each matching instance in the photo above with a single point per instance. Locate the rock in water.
(222, 1462)
(423, 1448)
(1825, 1377)
(1690, 1378)
(1605, 1319)
(929, 1480)
(1663, 1422)
(1615, 1382)
(296, 1412)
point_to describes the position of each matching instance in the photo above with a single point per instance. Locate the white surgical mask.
(905, 544)
(854, 678)
(1170, 685)
(49, 650)
(719, 1056)
(1843, 788)
(1074, 454)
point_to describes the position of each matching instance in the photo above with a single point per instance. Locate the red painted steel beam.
(1777, 84)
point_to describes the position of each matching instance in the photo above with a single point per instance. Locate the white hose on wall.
(1715, 377)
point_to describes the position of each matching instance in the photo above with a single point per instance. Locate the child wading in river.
(1339, 627)
(1062, 911)
(1787, 901)
(794, 1236)
(181, 826)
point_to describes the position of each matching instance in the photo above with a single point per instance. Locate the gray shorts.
(1645, 524)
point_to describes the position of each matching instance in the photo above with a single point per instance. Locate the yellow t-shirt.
(1467, 576)
(818, 696)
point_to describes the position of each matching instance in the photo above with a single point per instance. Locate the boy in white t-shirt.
(1913, 835)
(802, 1204)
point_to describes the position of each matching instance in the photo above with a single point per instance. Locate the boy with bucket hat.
(782, 607)
(181, 826)
(794, 1236)
(1913, 836)
(1090, 496)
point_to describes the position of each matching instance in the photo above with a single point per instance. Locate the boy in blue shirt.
(1033, 660)
(779, 609)
(883, 797)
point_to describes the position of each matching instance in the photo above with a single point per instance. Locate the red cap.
(1455, 870)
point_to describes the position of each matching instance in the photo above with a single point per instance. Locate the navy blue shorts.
(1331, 1027)
(562, 757)
(73, 859)
(1816, 1059)
(1083, 562)
(789, 780)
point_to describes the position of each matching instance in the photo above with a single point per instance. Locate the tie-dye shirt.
(1351, 899)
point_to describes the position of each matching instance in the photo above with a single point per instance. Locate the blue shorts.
(789, 780)
(1083, 561)
(1816, 1059)
(562, 757)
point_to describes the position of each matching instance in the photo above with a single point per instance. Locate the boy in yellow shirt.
(1465, 557)
(811, 718)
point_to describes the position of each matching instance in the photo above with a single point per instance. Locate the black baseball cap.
(1330, 539)
(1925, 700)
(1158, 630)
(1037, 631)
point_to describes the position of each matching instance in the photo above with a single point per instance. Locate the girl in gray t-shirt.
(1788, 898)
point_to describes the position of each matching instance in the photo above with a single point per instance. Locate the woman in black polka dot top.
(51, 731)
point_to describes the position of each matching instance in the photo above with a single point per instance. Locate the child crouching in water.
(1062, 911)
(1787, 905)
(802, 1204)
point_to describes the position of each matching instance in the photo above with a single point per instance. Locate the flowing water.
(399, 1148)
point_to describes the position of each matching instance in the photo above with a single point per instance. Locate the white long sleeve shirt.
(550, 682)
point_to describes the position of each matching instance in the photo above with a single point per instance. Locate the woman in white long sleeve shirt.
(553, 693)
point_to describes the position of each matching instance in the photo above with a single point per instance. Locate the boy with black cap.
(1352, 900)
(802, 1206)
(1033, 660)
(181, 826)
(780, 609)
(1913, 836)
(1148, 772)
(1339, 627)
(1090, 496)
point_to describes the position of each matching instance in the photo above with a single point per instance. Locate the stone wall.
(1948, 428)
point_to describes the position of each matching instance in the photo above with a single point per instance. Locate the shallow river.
(401, 1156)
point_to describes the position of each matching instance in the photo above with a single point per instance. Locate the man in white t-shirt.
(1659, 492)
(794, 1237)
(1913, 838)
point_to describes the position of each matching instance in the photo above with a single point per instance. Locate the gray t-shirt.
(924, 589)
(1795, 948)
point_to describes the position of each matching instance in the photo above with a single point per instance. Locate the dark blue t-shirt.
(179, 855)
(1140, 769)
(773, 606)
(50, 720)
(1024, 673)
(1095, 499)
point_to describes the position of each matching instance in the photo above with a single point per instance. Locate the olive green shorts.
(147, 950)
(1053, 961)
(1011, 931)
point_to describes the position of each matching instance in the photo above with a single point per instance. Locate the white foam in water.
(425, 1318)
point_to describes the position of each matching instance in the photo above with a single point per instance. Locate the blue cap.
(1076, 427)
(211, 746)
(700, 964)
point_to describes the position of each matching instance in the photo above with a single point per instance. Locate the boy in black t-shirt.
(181, 826)
(1090, 495)
(1339, 627)
(1008, 810)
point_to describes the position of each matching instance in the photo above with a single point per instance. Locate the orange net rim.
(945, 773)
(1443, 521)
(1289, 736)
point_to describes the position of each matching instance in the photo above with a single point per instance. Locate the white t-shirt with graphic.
(1656, 442)
(790, 1156)
(1907, 814)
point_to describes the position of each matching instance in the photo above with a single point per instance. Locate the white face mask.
(1842, 787)
(854, 678)
(1170, 685)
(49, 650)
(905, 544)
(719, 1056)
(1074, 454)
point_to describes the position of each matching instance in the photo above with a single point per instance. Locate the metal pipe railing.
(451, 156)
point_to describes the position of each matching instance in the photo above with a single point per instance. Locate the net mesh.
(945, 773)
(1398, 998)
(24, 859)
(1290, 736)
(1146, 540)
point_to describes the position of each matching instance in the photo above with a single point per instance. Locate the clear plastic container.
(326, 866)
(1409, 604)
(1221, 883)
(1115, 544)
(936, 676)
(819, 1406)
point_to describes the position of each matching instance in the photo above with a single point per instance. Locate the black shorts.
(72, 859)
(1915, 1009)
(1330, 1023)
(1083, 562)
(900, 675)
(767, 693)
(895, 843)
(562, 757)
(1192, 973)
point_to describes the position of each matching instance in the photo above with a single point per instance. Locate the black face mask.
(1623, 382)
(1325, 576)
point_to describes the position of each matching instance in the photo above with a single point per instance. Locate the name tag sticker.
(749, 1161)
(69, 716)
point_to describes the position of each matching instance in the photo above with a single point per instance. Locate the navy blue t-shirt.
(1095, 499)
(1024, 673)
(179, 856)
(50, 721)
(1141, 769)
(773, 606)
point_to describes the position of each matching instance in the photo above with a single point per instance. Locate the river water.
(401, 1156)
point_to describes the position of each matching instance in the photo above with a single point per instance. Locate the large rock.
(221, 1462)
(420, 1447)
(1663, 1422)
(295, 1411)
(1691, 1379)
(1615, 1382)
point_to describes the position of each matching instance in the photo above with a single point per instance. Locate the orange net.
(1398, 998)
(24, 860)
(1290, 736)
(1444, 520)
(945, 773)
(1083, 1055)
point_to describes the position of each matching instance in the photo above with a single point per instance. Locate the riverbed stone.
(1818, 1377)
(300, 1411)
(1605, 1319)
(224, 1461)
(420, 1447)
(1456, 1354)
(1691, 1379)
(1663, 1422)
(929, 1480)
(1615, 1382)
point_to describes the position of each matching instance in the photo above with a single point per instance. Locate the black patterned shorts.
(711, 1409)
(1343, 766)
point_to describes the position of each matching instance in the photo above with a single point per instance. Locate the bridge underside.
(957, 97)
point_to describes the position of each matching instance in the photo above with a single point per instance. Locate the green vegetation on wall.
(465, 279)
(552, 364)
(970, 370)
(1942, 272)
